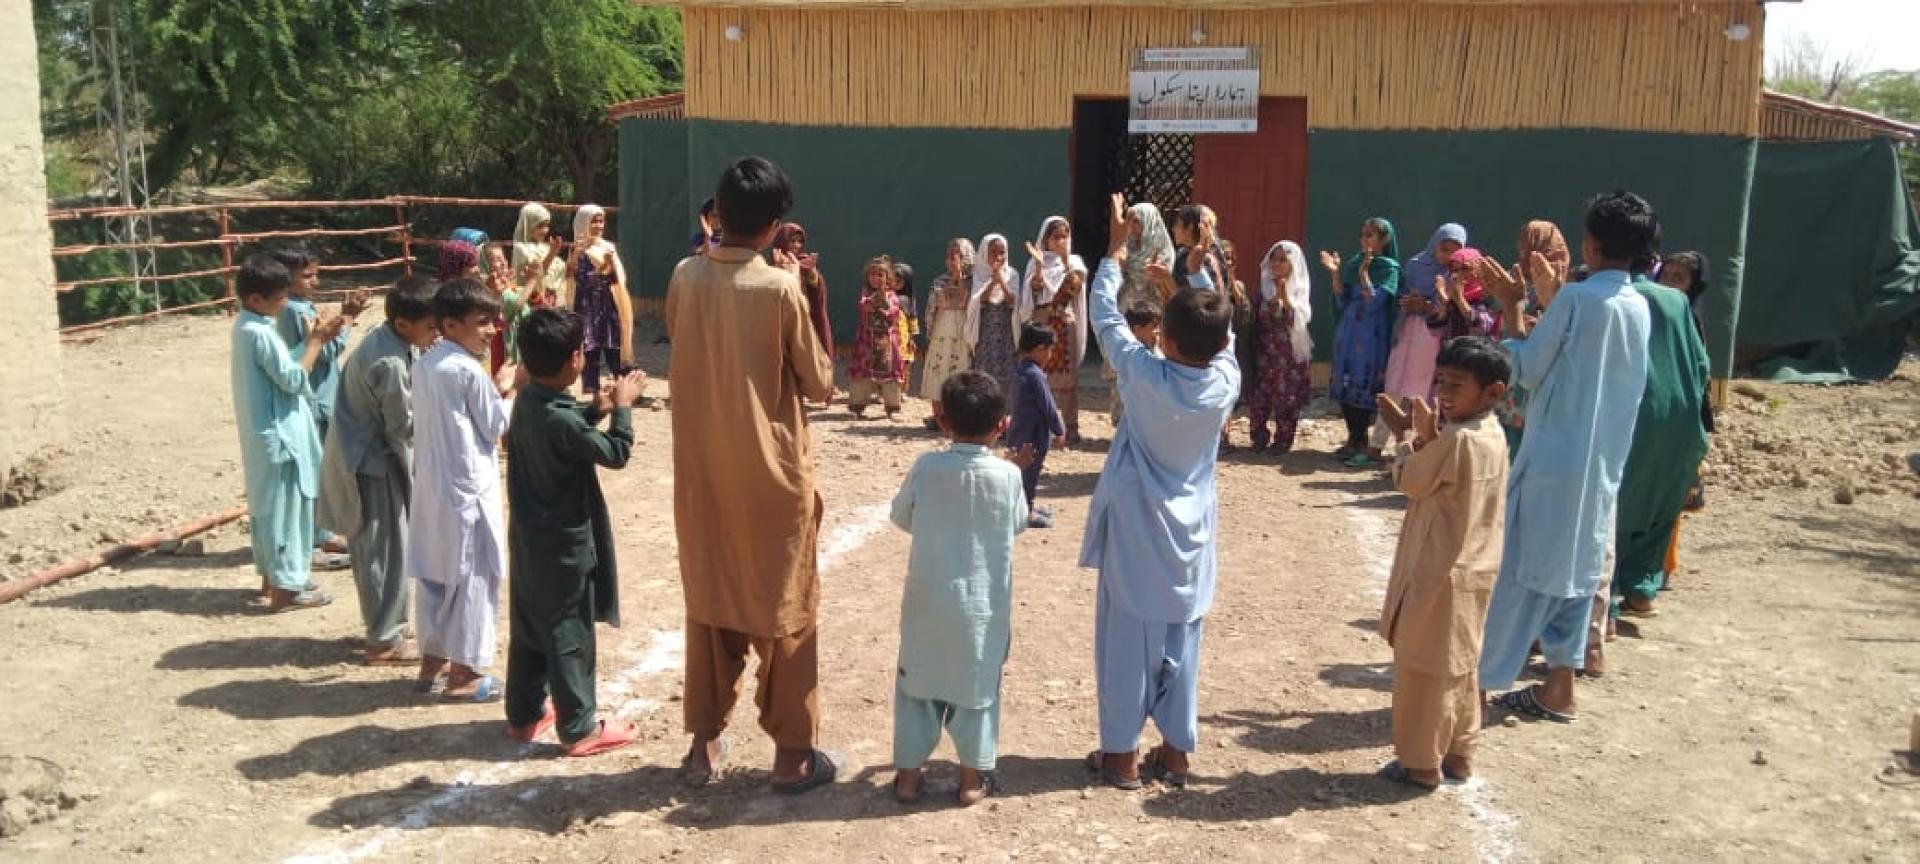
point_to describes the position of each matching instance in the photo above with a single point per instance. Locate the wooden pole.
(226, 260)
(406, 236)
(11, 591)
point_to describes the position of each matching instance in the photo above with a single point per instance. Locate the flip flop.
(486, 688)
(528, 734)
(1524, 701)
(989, 782)
(1097, 764)
(312, 598)
(1039, 520)
(1394, 772)
(331, 561)
(1153, 767)
(402, 653)
(605, 739)
(825, 766)
(1359, 460)
(694, 776)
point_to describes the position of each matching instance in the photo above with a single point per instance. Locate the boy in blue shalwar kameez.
(963, 506)
(1152, 529)
(279, 442)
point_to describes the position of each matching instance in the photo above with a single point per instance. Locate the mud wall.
(30, 388)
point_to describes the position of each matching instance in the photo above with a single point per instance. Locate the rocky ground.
(1757, 718)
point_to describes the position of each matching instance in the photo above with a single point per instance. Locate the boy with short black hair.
(1584, 368)
(367, 477)
(1454, 474)
(458, 546)
(1152, 531)
(1036, 425)
(561, 539)
(1143, 319)
(963, 506)
(294, 321)
(279, 442)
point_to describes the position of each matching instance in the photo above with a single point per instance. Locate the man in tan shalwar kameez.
(1455, 480)
(745, 508)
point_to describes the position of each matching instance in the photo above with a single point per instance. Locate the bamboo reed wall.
(1637, 65)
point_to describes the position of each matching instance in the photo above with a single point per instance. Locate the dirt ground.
(1756, 718)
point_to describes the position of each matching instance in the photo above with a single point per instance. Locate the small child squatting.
(963, 506)
(1454, 474)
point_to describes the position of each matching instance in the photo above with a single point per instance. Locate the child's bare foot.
(403, 652)
(906, 786)
(1456, 768)
(975, 786)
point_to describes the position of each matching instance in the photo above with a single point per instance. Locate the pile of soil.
(1774, 436)
(32, 791)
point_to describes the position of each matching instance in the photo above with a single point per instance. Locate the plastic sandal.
(528, 734)
(1394, 772)
(485, 689)
(825, 766)
(605, 739)
(312, 598)
(1097, 764)
(1153, 767)
(1526, 703)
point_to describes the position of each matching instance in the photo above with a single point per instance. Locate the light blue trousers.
(1146, 669)
(282, 531)
(917, 724)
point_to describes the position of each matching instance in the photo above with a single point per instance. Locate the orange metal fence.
(399, 233)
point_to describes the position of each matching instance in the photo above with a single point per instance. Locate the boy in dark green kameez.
(562, 576)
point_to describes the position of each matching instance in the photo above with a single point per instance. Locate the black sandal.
(1096, 764)
(825, 766)
(1525, 702)
(1394, 772)
(1154, 767)
(989, 783)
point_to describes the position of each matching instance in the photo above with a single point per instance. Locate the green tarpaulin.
(1833, 276)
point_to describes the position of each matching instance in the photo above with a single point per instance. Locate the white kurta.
(458, 545)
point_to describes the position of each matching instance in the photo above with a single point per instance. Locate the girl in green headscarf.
(1366, 287)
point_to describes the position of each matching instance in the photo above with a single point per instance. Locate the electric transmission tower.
(118, 113)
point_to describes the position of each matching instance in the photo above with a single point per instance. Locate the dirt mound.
(32, 791)
(33, 479)
(1795, 437)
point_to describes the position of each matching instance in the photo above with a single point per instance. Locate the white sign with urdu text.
(1189, 90)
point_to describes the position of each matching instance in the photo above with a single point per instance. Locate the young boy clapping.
(1454, 474)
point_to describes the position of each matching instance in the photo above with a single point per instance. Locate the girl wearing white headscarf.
(1147, 243)
(1053, 294)
(945, 323)
(539, 261)
(1283, 385)
(600, 298)
(990, 323)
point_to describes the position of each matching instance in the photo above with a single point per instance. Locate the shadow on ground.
(201, 602)
(1296, 732)
(262, 652)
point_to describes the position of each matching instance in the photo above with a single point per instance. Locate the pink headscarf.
(456, 258)
(1462, 265)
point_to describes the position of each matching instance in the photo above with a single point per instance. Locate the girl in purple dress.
(1282, 382)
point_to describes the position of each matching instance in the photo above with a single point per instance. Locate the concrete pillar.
(30, 387)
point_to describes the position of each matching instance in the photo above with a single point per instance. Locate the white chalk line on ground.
(665, 652)
(1496, 829)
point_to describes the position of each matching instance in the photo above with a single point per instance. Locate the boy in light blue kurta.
(1152, 529)
(1584, 366)
(279, 443)
(963, 506)
(295, 321)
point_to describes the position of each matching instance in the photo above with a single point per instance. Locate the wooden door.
(1257, 183)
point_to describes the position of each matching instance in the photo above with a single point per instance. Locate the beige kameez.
(1443, 575)
(746, 510)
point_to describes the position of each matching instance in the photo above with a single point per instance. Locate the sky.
(1885, 33)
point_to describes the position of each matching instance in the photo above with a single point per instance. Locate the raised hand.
(627, 390)
(1426, 422)
(1330, 261)
(1548, 278)
(355, 304)
(325, 329)
(603, 399)
(1441, 294)
(1506, 286)
(1392, 414)
(785, 261)
(1117, 227)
